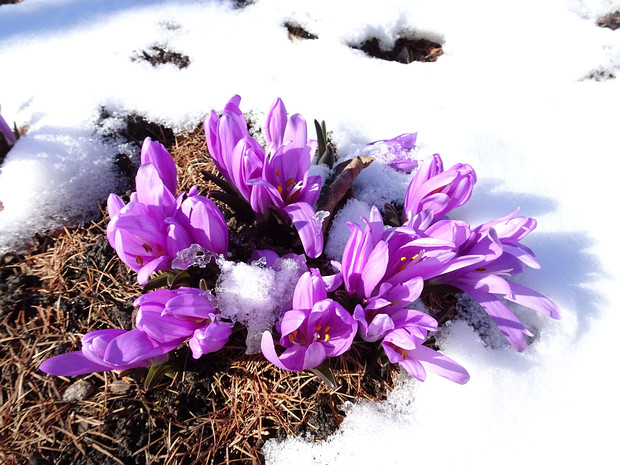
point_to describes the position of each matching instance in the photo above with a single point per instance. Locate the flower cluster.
(368, 296)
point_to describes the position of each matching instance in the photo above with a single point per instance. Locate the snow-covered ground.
(520, 94)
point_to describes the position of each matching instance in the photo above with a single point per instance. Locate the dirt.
(611, 21)
(405, 50)
(158, 55)
(297, 32)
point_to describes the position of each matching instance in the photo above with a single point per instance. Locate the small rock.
(119, 387)
(79, 390)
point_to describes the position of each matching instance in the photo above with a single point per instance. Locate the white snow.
(519, 94)
(255, 294)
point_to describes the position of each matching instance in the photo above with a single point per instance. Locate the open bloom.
(485, 256)
(92, 357)
(315, 328)
(156, 224)
(383, 270)
(439, 191)
(403, 344)
(277, 177)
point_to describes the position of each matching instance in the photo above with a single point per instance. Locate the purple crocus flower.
(398, 150)
(403, 344)
(315, 328)
(285, 172)
(439, 191)
(169, 317)
(494, 252)
(92, 357)
(386, 267)
(5, 130)
(156, 224)
(276, 177)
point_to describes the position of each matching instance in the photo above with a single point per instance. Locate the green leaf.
(219, 182)
(155, 373)
(320, 137)
(236, 203)
(325, 374)
(157, 282)
(392, 218)
(180, 279)
(328, 158)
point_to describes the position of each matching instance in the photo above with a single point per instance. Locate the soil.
(158, 55)
(611, 21)
(297, 32)
(405, 50)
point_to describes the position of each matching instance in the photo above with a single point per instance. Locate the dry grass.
(219, 409)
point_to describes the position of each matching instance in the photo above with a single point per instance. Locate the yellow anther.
(326, 337)
(402, 259)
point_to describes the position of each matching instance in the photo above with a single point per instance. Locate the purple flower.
(386, 267)
(315, 328)
(485, 256)
(169, 318)
(92, 358)
(155, 225)
(398, 150)
(439, 191)
(403, 344)
(276, 177)
(5, 130)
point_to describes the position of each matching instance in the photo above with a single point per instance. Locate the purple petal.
(115, 205)
(310, 288)
(156, 153)
(136, 346)
(164, 328)
(269, 351)
(188, 306)
(71, 364)
(440, 364)
(308, 226)
(530, 298)
(314, 356)
(151, 190)
(296, 134)
(6, 131)
(276, 123)
(158, 263)
(291, 321)
(506, 321)
(210, 338)
(374, 268)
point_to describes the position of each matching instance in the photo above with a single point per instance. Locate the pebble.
(79, 390)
